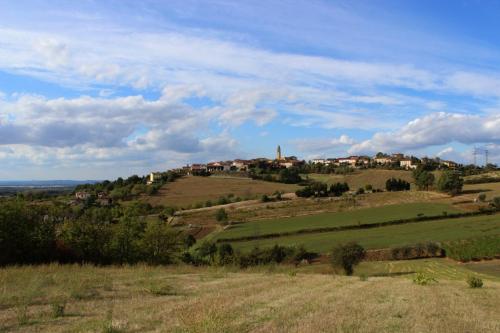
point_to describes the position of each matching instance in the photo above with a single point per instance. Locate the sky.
(103, 89)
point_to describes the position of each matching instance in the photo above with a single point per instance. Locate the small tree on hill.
(423, 178)
(347, 256)
(221, 216)
(450, 182)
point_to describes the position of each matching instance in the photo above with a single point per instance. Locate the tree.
(221, 216)
(126, 242)
(90, 235)
(162, 245)
(450, 182)
(423, 178)
(207, 250)
(290, 176)
(225, 254)
(496, 203)
(394, 184)
(347, 256)
(338, 189)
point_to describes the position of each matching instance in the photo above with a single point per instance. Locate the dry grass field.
(360, 178)
(490, 189)
(267, 299)
(189, 191)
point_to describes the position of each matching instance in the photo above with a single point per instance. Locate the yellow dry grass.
(361, 178)
(189, 191)
(147, 299)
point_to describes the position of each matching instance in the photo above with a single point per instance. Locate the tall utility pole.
(486, 157)
(474, 152)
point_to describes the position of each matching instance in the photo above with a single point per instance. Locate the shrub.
(369, 187)
(338, 189)
(360, 191)
(347, 256)
(221, 216)
(423, 279)
(481, 197)
(265, 198)
(394, 184)
(222, 201)
(496, 203)
(473, 249)
(474, 282)
(57, 309)
(450, 182)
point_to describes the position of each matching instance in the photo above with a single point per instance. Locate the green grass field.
(384, 237)
(352, 217)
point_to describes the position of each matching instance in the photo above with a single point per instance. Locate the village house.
(449, 164)
(398, 156)
(382, 160)
(219, 166)
(241, 165)
(351, 160)
(407, 163)
(82, 195)
(154, 177)
(320, 161)
(103, 199)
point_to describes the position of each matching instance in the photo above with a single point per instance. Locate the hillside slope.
(139, 299)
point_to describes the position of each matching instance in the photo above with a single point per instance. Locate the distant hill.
(45, 183)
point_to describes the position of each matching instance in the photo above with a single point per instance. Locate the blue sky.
(101, 89)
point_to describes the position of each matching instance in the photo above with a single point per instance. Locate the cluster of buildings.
(398, 160)
(279, 162)
(102, 198)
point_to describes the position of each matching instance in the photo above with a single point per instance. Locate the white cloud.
(434, 129)
(322, 146)
(446, 151)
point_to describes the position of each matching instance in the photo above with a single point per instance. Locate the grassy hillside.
(360, 216)
(140, 299)
(384, 237)
(360, 178)
(189, 191)
(490, 189)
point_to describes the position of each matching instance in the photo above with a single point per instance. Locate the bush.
(450, 182)
(481, 197)
(473, 249)
(360, 191)
(347, 256)
(265, 198)
(222, 201)
(474, 282)
(221, 216)
(394, 185)
(495, 203)
(338, 189)
(316, 189)
(423, 279)
(57, 309)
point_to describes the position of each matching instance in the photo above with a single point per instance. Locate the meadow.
(351, 217)
(265, 299)
(389, 236)
(361, 178)
(189, 191)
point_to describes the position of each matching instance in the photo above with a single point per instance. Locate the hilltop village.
(380, 160)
